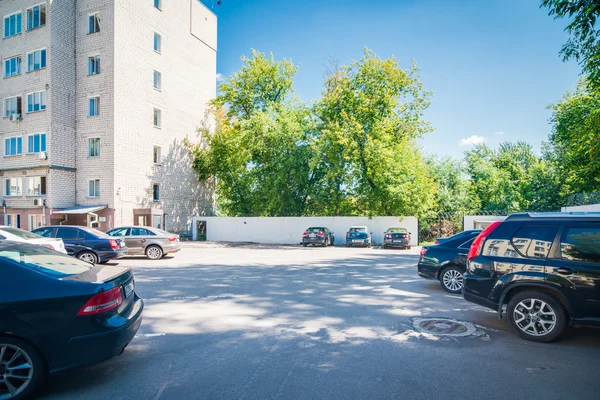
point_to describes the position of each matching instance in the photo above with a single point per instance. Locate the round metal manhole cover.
(444, 327)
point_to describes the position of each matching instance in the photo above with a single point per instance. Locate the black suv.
(545, 267)
(87, 244)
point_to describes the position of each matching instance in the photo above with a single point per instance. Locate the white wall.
(288, 230)
(591, 207)
(469, 220)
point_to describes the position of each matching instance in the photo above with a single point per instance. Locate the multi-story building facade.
(98, 97)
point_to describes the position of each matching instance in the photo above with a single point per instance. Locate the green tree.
(454, 192)
(584, 44)
(575, 140)
(369, 117)
(260, 151)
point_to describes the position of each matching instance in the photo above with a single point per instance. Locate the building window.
(36, 17)
(156, 192)
(94, 106)
(158, 4)
(36, 101)
(94, 147)
(12, 105)
(93, 23)
(36, 143)
(36, 185)
(157, 42)
(157, 118)
(94, 188)
(35, 221)
(94, 65)
(12, 66)
(13, 220)
(156, 155)
(12, 187)
(13, 146)
(12, 25)
(157, 80)
(36, 60)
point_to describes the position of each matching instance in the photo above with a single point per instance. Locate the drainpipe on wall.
(93, 221)
(64, 220)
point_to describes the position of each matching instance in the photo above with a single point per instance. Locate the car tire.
(88, 257)
(154, 252)
(304, 244)
(29, 355)
(408, 248)
(541, 307)
(452, 279)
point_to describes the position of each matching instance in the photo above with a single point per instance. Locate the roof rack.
(573, 214)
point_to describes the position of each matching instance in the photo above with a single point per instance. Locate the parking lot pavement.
(284, 322)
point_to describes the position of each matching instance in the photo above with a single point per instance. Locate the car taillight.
(320, 234)
(113, 244)
(437, 242)
(102, 302)
(348, 234)
(172, 239)
(368, 236)
(305, 234)
(423, 251)
(48, 246)
(388, 236)
(475, 249)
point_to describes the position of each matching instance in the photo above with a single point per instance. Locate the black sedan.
(87, 244)
(396, 237)
(321, 236)
(58, 313)
(446, 262)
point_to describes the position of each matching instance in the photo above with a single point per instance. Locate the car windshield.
(397, 230)
(20, 233)
(357, 229)
(315, 230)
(43, 259)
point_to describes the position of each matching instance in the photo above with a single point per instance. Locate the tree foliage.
(584, 44)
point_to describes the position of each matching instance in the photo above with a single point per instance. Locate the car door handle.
(563, 271)
(462, 254)
(143, 240)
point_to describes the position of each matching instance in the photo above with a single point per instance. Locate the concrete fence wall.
(288, 230)
(480, 221)
(590, 207)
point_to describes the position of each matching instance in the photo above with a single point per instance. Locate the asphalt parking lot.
(284, 322)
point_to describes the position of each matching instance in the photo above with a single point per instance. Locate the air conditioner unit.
(14, 117)
(42, 155)
(38, 202)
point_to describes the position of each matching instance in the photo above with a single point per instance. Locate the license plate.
(313, 235)
(397, 241)
(357, 241)
(128, 289)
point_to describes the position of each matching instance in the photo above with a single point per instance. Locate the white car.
(19, 235)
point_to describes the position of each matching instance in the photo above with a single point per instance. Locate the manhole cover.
(444, 327)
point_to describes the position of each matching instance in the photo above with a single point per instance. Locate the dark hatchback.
(544, 267)
(318, 236)
(447, 261)
(58, 313)
(87, 244)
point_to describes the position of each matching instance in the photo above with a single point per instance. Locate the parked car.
(544, 267)
(87, 244)
(154, 243)
(447, 261)
(458, 235)
(358, 236)
(396, 237)
(321, 236)
(20, 235)
(58, 313)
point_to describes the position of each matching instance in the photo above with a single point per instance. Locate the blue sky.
(492, 65)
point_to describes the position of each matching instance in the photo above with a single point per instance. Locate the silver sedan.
(154, 243)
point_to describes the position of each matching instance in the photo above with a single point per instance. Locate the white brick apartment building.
(97, 99)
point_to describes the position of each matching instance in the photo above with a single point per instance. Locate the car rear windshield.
(43, 260)
(397, 230)
(313, 230)
(96, 233)
(20, 233)
(357, 229)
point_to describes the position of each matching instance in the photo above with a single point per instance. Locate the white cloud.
(472, 140)
(220, 78)
(500, 133)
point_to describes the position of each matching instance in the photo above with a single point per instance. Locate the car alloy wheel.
(534, 317)
(154, 252)
(452, 280)
(16, 371)
(88, 257)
